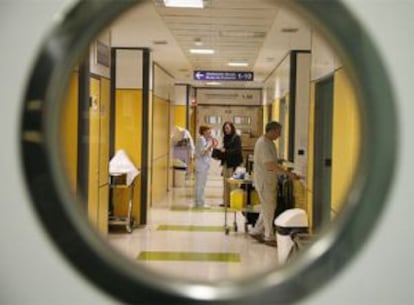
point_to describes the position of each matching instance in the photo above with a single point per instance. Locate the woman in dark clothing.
(231, 157)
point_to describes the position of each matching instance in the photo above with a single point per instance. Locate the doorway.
(323, 152)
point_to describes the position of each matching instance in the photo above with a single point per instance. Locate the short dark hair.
(273, 125)
(202, 129)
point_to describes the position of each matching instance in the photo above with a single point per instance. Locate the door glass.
(177, 238)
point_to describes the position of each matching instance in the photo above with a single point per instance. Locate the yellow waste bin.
(237, 199)
(254, 198)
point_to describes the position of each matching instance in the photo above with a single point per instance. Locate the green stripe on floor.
(189, 256)
(190, 228)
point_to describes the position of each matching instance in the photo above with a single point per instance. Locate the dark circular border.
(78, 243)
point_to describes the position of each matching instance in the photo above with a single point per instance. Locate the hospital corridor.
(188, 242)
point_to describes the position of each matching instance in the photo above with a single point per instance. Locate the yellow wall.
(276, 117)
(104, 155)
(276, 110)
(309, 177)
(299, 189)
(346, 138)
(285, 123)
(149, 159)
(180, 115)
(98, 146)
(265, 116)
(300, 195)
(128, 137)
(69, 131)
(345, 142)
(93, 171)
(193, 122)
(161, 145)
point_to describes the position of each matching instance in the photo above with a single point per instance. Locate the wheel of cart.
(226, 227)
(130, 220)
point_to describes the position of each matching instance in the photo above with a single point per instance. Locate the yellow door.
(103, 175)
(93, 188)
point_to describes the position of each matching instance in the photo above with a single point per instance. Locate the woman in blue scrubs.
(204, 146)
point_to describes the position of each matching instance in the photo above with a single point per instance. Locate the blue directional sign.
(223, 75)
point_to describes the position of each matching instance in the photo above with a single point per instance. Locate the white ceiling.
(238, 30)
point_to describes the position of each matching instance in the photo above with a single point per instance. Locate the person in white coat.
(266, 169)
(204, 146)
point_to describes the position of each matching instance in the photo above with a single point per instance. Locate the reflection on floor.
(190, 243)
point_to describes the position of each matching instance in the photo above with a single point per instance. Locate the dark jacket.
(232, 157)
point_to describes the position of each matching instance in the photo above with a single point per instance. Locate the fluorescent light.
(184, 3)
(202, 51)
(238, 64)
(242, 34)
(213, 83)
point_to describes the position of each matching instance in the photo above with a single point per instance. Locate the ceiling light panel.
(184, 3)
(236, 31)
(237, 64)
(202, 51)
(242, 34)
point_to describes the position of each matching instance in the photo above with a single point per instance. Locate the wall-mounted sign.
(103, 54)
(223, 96)
(223, 75)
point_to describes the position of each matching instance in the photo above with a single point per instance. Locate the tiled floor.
(190, 243)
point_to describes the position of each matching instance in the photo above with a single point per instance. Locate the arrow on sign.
(199, 75)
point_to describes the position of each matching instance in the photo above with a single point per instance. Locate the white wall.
(324, 59)
(278, 82)
(129, 69)
(180, 95)
(163, 83)
(302, 111)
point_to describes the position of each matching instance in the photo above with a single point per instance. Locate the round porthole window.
(59, 201)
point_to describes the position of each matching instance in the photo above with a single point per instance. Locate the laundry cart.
(118, 180)
(122, 175)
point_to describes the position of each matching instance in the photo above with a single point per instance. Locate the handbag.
(217, 154)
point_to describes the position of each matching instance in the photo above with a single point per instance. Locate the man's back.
(264, 152)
